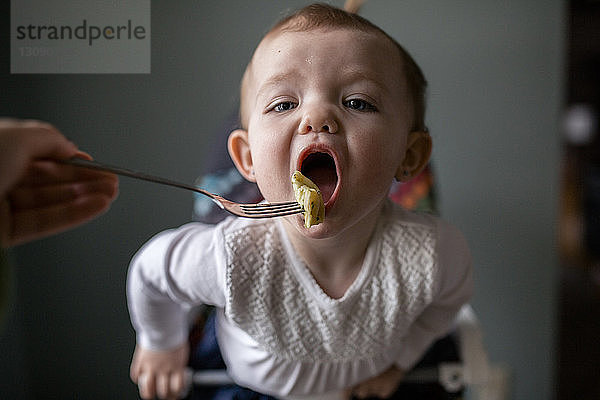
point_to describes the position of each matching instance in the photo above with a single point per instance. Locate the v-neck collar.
(307, 280)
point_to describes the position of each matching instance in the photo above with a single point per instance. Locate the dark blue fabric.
(206, 353)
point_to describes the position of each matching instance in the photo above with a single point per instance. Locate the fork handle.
(78, 162)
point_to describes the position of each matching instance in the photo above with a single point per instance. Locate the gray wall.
(495, 91)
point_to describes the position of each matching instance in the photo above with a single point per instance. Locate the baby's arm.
(167, 277)
(382, 386)
(161, 352)
(453, 288)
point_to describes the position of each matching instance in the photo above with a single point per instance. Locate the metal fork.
(260, 210)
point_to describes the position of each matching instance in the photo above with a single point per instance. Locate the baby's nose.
(317, 124)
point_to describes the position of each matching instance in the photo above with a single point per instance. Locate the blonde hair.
(323, 16)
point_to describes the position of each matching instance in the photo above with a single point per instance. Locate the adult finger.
(37, 138)
(36, 223)
(22, 143)
(29, 197)
(45, 172)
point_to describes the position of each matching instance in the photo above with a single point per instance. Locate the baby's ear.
(239, 151)
(418, 151)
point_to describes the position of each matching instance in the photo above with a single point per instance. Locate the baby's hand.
(159, 373)
(382, 386)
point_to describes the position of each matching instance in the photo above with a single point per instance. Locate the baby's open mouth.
(320, 168)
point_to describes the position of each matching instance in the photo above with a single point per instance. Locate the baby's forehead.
(361, 36)
(336, 47)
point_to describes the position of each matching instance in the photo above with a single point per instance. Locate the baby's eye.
(284, 106)
(359, 105)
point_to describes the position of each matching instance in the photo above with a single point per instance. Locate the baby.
(343, 307)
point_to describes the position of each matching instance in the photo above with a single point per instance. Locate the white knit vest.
(281, 313)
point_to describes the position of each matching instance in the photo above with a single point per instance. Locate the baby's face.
(332, 104)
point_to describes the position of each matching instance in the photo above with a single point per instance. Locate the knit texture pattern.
(267, 300)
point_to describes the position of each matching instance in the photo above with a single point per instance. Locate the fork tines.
(271, 209)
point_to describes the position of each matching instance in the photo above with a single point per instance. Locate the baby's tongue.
(324, 177)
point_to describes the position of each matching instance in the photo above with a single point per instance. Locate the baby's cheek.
(273, 183)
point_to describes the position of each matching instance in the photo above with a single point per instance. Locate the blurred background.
(499, 87)
(579, 217)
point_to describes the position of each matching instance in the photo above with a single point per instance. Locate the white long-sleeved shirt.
(279, 333)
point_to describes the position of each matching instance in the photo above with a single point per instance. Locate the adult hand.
(39, 197)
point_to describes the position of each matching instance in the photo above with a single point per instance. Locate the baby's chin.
(324, 230)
